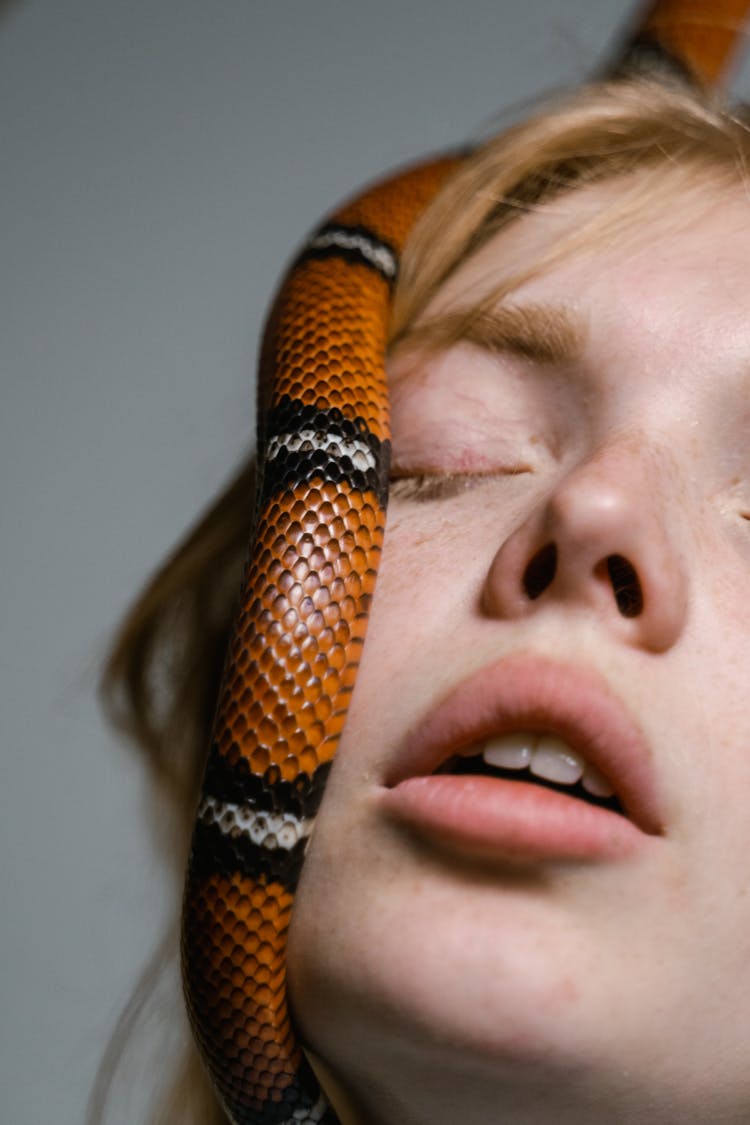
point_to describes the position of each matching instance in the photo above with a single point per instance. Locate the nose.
(601, 542)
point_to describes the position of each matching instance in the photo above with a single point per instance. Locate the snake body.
(323, 456)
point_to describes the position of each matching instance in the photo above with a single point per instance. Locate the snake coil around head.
(320, 512)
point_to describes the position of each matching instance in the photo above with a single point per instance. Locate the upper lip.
(528, 692)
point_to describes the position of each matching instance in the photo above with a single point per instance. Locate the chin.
(453, 978)
(420, 978)
(445, 1003)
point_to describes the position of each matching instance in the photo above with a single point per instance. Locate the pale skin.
(440, 983)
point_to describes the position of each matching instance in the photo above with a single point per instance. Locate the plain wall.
(159, 162)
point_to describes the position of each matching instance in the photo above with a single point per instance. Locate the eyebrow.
(547, 334)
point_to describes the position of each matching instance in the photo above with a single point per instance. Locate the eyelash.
(425, 487)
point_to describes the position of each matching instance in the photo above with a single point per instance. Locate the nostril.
(540, 571)
(625, 586)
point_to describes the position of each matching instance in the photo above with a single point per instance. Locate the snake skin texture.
(323, 461)
(324, 453)
(698, 37)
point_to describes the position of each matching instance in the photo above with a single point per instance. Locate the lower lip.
(513, 820)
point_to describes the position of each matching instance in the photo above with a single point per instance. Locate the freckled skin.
(615, 991)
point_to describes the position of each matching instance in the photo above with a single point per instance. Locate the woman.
(561, 595)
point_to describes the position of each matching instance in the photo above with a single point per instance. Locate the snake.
(320, 503)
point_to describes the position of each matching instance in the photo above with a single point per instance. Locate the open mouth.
(528, 760)
(476, 766)
(537, 759)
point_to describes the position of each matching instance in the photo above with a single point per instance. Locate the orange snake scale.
(320, 511)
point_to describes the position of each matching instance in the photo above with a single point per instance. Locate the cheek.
(417, 550)
(422, 583)
(430, 575)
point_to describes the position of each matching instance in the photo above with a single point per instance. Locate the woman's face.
(566, 575)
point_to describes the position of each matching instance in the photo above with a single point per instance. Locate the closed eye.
(424, 487)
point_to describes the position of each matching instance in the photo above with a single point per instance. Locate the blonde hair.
(604, 131)
(161, 679)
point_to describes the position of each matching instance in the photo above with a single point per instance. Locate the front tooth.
(555, 761)
(511, 752)
(596, 784)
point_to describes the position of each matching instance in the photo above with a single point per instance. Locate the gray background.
(159, 161)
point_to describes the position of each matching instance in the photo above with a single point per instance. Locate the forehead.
(655, 283)
(649, 237)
